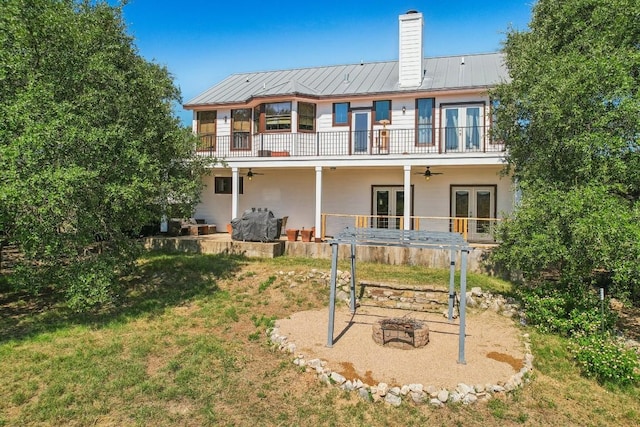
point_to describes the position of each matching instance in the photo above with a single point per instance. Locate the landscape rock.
(383, 388)
(416, 387)
(395, 390)
(348, 386)
(436, 402)
(464, 389)
(338, 378)
(417, 396)
(365, 395)
(432, 391)
(455, 397)
(469, 399)
(393, 399)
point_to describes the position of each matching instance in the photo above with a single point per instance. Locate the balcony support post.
(318, 212)
(235, 191)
(407, 198)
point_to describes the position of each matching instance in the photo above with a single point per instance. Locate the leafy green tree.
(90, 150)
(570, 118)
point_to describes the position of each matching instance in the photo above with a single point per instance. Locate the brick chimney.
(411, 49)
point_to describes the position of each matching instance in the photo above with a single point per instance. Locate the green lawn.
(185, 345)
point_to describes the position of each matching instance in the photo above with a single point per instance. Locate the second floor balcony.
(423, 141)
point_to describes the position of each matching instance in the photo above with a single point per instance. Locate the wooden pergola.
(454, 242)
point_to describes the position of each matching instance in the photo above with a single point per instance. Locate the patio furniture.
(190, 227)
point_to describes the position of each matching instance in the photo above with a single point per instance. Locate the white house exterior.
(334, 146)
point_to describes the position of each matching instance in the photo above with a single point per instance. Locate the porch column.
(235, 190)
(318, 214)
(407, 197)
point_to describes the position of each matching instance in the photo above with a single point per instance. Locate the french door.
(478, 205)
(463, 128)
(388, 207)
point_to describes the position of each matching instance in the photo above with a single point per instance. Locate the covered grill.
(256, 225)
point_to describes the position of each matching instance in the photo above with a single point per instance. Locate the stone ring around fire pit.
(401, 332)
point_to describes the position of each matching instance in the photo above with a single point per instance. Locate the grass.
(186, 345)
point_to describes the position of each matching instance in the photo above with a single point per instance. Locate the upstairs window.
(277, 116)
(206, 130)
(424, 121)
(241, 129)
(256, 119)
(341, 114)
(306, 116)
(381, 111)
(206, 122)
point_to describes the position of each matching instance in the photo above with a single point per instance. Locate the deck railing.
(350, 143)
(476, 230)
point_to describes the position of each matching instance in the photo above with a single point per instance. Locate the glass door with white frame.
(477, 205)
(463, 128)
(388, 207)
(361, 134)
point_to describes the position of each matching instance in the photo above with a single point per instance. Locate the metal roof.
(440, 73)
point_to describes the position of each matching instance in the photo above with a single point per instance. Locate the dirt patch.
(516, 364)
(348, 371)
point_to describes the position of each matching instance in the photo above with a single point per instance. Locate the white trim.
(235, 192)
(318, 212)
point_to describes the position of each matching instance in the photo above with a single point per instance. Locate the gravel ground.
(494, 348)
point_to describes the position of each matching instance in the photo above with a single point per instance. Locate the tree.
(90, 150)
(570, 119)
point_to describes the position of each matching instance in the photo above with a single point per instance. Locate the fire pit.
(401, 332)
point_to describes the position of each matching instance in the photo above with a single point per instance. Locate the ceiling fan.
(427, 174)
(251, 174)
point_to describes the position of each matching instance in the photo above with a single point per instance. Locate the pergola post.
(332, 292)
(463, 305)
(352, 305)
(452, 280)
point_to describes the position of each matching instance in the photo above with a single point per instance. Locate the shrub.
(565, 310)
(606, 360)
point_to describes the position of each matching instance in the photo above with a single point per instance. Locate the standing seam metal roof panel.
(441, 73)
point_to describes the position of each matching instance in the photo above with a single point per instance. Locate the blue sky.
(203, 41)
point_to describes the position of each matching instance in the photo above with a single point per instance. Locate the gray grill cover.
(256, 225)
